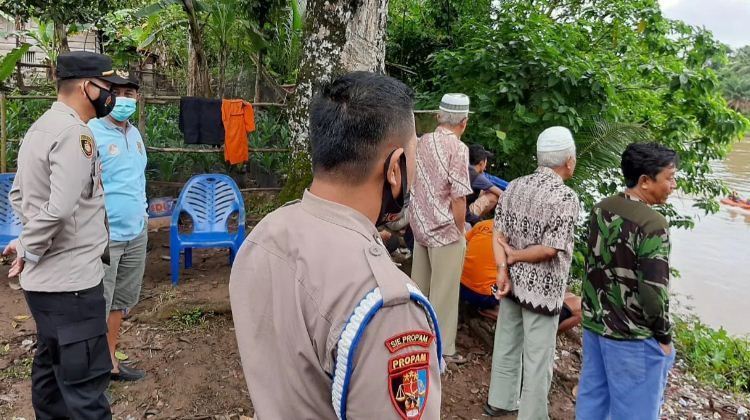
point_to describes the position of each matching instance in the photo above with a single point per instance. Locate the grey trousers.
(522, 333)
(437, 273)
(123, 276)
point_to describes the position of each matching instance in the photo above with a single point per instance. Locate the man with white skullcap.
(533, 245)
(437, 214)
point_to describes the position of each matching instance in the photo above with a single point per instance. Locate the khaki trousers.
(520, 332)
(437, 273)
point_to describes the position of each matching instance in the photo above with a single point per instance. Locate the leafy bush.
(21, 114)
(713, 355)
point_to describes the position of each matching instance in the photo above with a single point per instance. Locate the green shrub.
(713, 355)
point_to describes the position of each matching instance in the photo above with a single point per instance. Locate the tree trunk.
(61, 37)
(339, 36)
(223, 59)
(199, 82)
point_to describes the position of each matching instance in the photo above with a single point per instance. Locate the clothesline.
(213, 150)
(146, 98)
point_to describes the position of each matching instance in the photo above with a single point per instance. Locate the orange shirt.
(480, 270)
(239, 119)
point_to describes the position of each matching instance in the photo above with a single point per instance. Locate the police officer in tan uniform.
(58, 196)
(327, 326)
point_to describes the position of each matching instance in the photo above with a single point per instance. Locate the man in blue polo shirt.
(123, 157)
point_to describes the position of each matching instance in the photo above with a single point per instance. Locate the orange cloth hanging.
(239, 120)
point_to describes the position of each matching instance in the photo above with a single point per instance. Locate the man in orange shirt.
(480, 273)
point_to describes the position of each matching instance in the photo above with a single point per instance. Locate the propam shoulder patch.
(409, 383)
(87, 146)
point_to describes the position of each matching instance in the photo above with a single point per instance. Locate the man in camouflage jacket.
(627, 343)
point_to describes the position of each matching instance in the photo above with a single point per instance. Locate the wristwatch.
(502, 265)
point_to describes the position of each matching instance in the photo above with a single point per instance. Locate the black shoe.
(128, 374)
(497, 412)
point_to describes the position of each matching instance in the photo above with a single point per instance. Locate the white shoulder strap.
(352, 332)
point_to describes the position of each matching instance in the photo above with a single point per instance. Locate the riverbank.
(185, 341)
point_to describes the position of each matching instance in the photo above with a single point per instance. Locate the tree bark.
(339, 36)
(199, 80)
(61, 37)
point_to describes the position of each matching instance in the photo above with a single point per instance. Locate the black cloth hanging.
(200, 121)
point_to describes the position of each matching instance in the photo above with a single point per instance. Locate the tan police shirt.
(294, 284)
(58, 195)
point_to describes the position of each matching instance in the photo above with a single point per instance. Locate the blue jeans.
(622, 379)
(478, 300)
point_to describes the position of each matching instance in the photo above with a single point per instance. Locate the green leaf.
(500, 134)
(8, 62)
(156, 8)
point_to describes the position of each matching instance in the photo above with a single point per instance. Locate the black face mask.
(104, 104)
(392, 208)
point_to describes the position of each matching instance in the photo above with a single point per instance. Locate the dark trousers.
(72, 364)
(478, 300)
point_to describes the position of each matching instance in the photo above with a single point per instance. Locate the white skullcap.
(555, 139)
(455, 102)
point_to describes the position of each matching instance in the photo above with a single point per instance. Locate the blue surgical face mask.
(124, 108)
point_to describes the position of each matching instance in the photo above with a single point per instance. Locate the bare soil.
(184, 339)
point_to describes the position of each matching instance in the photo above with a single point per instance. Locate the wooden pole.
(142, 116)
(3, 134)
(175, 184)
(49, 97)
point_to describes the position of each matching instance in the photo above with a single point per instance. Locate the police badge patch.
(87, 146)
(408, 383)
(407, 339)
(140, 147)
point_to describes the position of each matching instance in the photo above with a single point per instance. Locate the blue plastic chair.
(10, 224)
(209, 200)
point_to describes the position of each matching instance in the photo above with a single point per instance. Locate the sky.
(729, 20)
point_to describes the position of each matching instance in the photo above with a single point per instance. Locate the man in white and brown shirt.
(533, 245)
(437, 214)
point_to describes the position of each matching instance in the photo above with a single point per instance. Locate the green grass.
(190, 318)
(21, 369)
(713, 356)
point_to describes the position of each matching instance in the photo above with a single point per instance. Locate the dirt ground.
(184, 339)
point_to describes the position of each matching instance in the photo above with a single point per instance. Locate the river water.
(714, 257)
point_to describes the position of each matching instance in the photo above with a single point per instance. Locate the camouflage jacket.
(626, 290)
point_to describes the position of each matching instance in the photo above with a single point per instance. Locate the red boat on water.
(736, 203)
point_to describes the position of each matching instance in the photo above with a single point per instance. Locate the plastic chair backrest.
(10, 224)
(209, 199)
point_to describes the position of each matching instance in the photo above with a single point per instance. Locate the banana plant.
(8, 61)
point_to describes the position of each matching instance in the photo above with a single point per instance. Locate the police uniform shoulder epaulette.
(289, 203)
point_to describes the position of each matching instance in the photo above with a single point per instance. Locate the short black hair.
(648, 159)
(477, 154)
(65, 86)
(352, 116)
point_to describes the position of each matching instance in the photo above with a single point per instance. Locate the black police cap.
(125, 78)
(85, 64)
